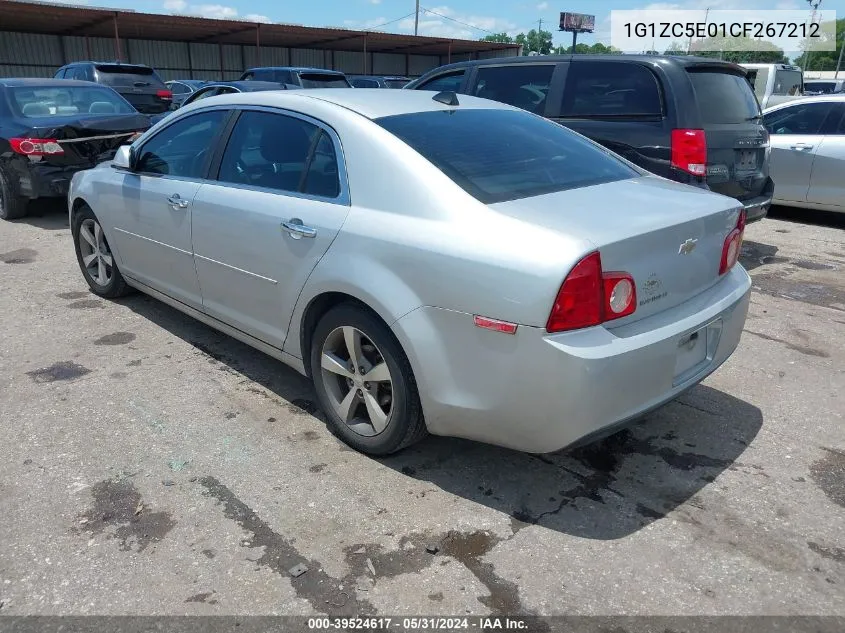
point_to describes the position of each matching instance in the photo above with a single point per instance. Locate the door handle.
(176, 202)
(801, 146)
(297, 230)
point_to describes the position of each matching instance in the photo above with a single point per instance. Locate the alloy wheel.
(96, 256)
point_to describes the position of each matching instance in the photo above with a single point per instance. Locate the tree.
(675, 49)
(739, 50)
(585, 49)
(504, 38)
(535, 42)
(824, 60)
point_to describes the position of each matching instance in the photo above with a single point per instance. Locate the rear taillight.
(36, 146)
(590, 297)
(732, 245)
(164, 94)
(689, 151)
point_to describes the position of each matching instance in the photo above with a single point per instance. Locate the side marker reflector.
(494, 324)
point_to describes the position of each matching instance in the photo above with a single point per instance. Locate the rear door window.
(318, 80)
(723, 97)
(450, 82)
(181, 149)
(178, 88)
(802, 118)
(522, 85)
(611, 89)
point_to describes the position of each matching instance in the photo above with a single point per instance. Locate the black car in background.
(378, 81)
(694, 120)
(214, 88)
(140, 85)
(298, 77)
(50, 129)
(183, 88)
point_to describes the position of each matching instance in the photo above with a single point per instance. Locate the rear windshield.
(71, 101)
(397, 83)
(787, 82)
(500, 155)
(819, 87)
(724, 97)
(128, 76)
(315, 80)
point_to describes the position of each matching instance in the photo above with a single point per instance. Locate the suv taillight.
(164, 94)
(36, 146)
(732, 245)
(590, 297)
(689, 151)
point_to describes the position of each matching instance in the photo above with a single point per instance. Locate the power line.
(446, 17)
(391, 21)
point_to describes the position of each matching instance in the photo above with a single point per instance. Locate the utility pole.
(540, 37)
(815, 5)
(417, 18)
(839, 62)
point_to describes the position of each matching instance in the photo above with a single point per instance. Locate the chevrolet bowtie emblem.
(687, 247)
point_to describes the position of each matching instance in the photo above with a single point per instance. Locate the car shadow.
(49, 214)
(605, 490)
(756, 254)
(808, 216)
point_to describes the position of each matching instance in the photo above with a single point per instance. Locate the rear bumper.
(39, 180)
(757, 208)
(540, 392)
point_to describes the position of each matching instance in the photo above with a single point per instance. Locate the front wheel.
(95, 257)
(364, 382)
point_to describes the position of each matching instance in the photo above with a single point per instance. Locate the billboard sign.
(577, 22)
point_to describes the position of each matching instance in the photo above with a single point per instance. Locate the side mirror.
(124, 158)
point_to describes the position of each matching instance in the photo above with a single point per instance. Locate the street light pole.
(417, 18)
(839, 61)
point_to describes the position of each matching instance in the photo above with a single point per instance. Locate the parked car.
(213, 89)
(808, 152)
(775, 83)
(689, 119)
(823, 86)
(299, 77)
(140, 85)
(49, 130)
(318, 227)
(183, 88)
(377, 81)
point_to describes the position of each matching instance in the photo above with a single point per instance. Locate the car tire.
(94, 256)
(393, 389)
(12, 205)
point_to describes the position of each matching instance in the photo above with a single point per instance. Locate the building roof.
(65, 19)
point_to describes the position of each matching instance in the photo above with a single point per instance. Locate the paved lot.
(149, 465)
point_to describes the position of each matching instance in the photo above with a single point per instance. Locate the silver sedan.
(808, 152)
(435, 263)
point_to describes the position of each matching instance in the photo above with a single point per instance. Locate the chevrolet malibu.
(433, 262)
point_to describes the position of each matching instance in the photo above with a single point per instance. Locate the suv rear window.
(787, 82)
(128, 76)
(521, 85)
(316, 80)
(723, 97)
(611, 89)
(527, 155)
(819, 87)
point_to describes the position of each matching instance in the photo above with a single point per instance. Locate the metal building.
(37, 38)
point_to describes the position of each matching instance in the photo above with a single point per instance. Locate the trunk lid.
(737, 142)
(668, 236)
(86, 141)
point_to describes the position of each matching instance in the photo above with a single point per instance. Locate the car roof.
(372, 103)
(246, 86)
(121, 64)
(838, 98)
(300, 69)
(38, 82)
(681, 60)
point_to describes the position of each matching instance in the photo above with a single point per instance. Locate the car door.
(826, 182)
(151, 206)
(279, 199)
(795, 132)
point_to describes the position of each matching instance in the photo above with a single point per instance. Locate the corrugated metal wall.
(36, 55)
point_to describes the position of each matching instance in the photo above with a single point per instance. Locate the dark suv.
(140, 85)
(691, 119)
(378, 81)
(298, 77)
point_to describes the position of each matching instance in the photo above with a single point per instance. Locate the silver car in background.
(807, 162)
(433, 262)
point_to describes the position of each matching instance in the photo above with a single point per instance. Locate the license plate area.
(746, 160)
(695, 351)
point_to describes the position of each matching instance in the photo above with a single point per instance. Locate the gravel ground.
(150, 465)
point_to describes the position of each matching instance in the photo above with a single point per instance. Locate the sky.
(464, 19)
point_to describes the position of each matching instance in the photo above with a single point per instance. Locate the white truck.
(775, 83)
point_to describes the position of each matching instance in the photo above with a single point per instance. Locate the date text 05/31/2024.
(723, 29)
(418, 624)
